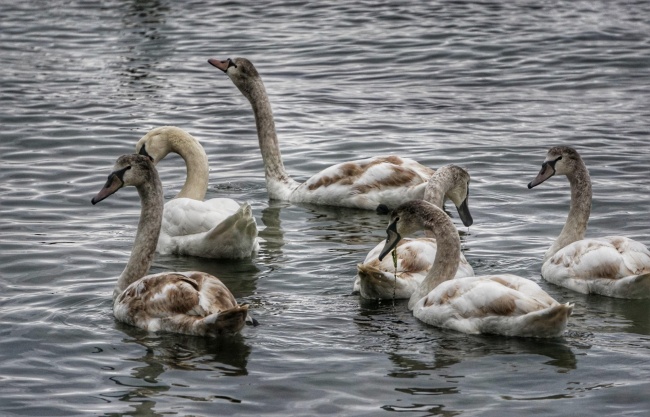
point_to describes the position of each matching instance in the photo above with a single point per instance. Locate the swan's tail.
(377, 284)
(227, 321)
(237, 234)
(550, 322)
(637, 287)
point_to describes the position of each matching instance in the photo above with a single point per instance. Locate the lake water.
(487, 85)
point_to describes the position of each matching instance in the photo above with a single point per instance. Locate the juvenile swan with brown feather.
(364, 183)
(614, 266)
(193, 302)
(379, 278)
(501, 304)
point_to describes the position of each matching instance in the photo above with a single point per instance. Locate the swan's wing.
(490, 295)
(612, 257)
(366, 183)
(185, 216)
(614, 266)
(500, 304)
(230, 237)
(188, 302)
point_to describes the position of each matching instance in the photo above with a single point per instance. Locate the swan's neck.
(146, 238)
(278, 181)
(196, 163)
(447, 257)
(435, 192)
(576, 222)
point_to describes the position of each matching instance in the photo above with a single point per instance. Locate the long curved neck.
(196, 164)
(575, 227)
(447, 257)
(146, 238)
(278, 181)
(437, 186)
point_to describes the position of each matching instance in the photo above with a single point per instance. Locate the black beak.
(463, 212)
(392, 239)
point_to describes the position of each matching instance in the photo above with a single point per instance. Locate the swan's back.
(366, 183)
(500, 304)
(180, 302)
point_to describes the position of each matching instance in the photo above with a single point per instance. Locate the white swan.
(216, 228)
(364, 183)
(378, 279)
(192, 302)
(614, 266)
(500, 304)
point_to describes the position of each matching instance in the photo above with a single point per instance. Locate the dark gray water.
(487, 85)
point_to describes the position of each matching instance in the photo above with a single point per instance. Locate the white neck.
(447, 257)
(196, 164)
(575, 227)
(146, 238)
(278, 181)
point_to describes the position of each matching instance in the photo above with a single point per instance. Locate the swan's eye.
(231, 64)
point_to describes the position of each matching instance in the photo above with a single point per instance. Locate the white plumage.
(216, 228)
(499, 304)
(380, 279)
(364, 183)
(192, 302)
(614, 266)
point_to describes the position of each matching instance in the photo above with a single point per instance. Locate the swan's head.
(560, 160)
(240, 70)
(129, 170)
(405, 220)
(157, 144)
(455, 180)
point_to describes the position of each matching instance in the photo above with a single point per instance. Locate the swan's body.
(193, 302)
(216, 228)
(363, 184)
(614, 266)
(379, 278)
(499, 304)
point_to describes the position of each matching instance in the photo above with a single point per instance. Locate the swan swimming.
(216, 228)
(500, 304)
(613, 266)
(191, 302)
(363, 184)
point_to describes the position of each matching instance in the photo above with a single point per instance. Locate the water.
(487, 85)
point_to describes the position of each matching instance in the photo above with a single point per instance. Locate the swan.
(363, 184)
(192, 302)
(378, 279)
(216, 228)
(499, 304)
(613, 266)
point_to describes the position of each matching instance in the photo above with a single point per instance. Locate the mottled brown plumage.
(192, 302)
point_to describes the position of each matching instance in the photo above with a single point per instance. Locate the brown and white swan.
(191, 302)
(379, 279)
(364, 184)
(499, 304)
(614, 266)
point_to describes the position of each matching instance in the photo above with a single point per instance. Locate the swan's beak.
(547, 171)
(465, 215)
(222, 65)
(392, 239)
(113, 184)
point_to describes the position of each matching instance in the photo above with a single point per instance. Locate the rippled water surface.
(487, 85)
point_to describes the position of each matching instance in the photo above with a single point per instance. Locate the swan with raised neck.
(501, 304)
(614, 266)
(381, 280)
(217, 228)
(364, 183)
(191, 302)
